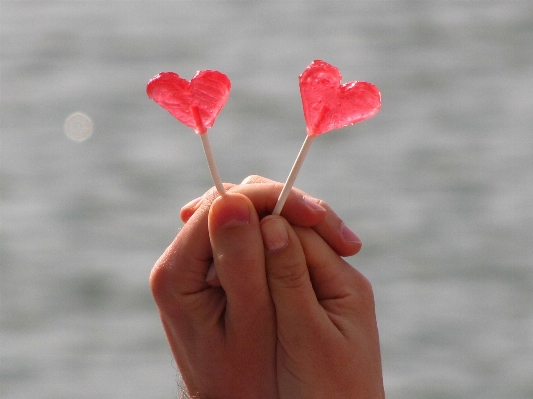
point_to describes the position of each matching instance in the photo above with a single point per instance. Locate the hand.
(223, 338)
(330, 227)
(327, 337)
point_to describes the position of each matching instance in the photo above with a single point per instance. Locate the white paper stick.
(211, 163)
(292, 176)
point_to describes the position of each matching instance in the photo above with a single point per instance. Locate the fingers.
(178, 279)
(332, 277)
(347, 298)
(191, 207)
(337, 235)
(332, 229)
(300, 210)
(238, 256)
(297, 308)
(306, 276)
(222, 338)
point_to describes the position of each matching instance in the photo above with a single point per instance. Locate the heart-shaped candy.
(195, 103)
(330, 105)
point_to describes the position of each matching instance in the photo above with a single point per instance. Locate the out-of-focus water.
(439, 185)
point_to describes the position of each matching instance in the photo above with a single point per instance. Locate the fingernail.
(275, 234)
(212, 278)
(349, 235)
(235, 214)
(193, 203)
(246, 180)
(311, 203)
(211, 272)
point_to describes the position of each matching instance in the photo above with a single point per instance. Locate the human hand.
(264, 194)
(327, 337)
(223, 338)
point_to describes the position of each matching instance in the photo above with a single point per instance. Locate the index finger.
(331, 228)
(299, 209)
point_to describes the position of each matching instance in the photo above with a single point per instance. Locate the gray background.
(439, 185)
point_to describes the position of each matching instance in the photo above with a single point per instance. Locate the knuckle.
(363, 288)
(289, 274)
(159, 276)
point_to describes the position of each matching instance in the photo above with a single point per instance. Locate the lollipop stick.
(292, 176)
(212, 165)
(202, 131)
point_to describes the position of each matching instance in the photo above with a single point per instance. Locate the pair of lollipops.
(327, 105)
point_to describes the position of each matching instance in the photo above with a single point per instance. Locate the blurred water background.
(439, 185)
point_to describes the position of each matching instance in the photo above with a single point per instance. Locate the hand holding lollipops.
(274, 281)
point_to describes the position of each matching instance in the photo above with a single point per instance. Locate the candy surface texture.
(329, 105)
(195, 103)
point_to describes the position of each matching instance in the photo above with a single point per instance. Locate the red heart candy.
(195, 103)
(329, 105)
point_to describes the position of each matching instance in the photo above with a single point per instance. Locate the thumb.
(238, 256)
(288, 278)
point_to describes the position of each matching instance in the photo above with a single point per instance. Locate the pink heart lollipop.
(195, 104)
(207, 90)
(328, 105)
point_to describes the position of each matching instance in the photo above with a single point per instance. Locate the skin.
(284, 316)
(296, 210)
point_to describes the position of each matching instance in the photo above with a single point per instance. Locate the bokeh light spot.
(78, 127)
